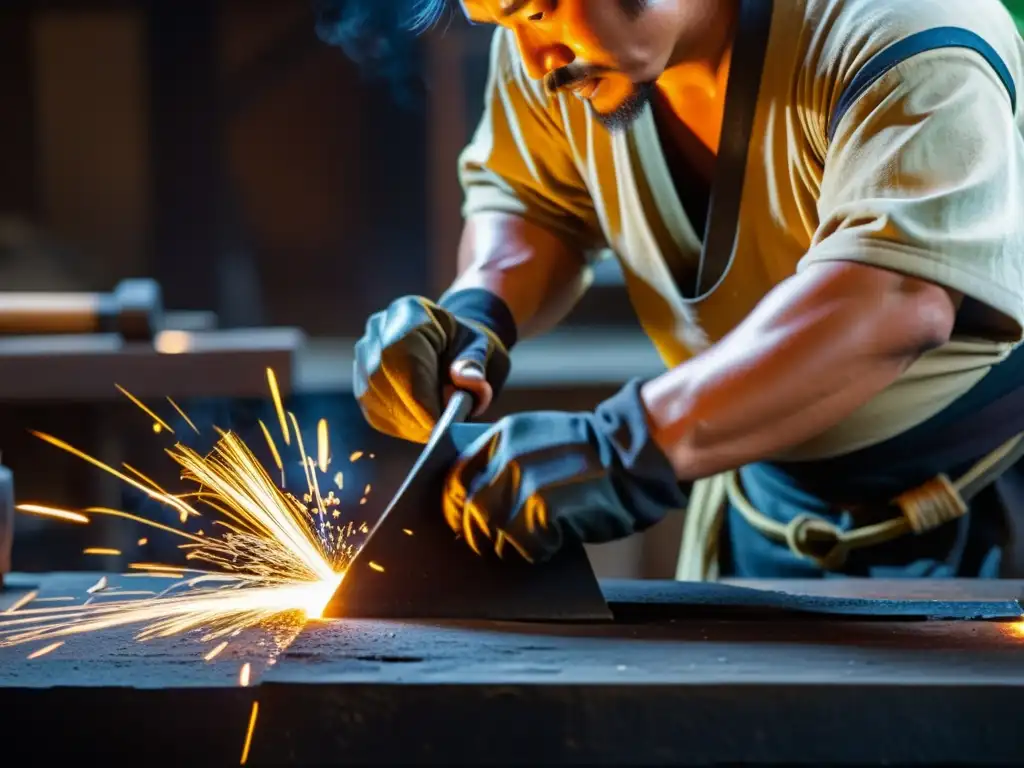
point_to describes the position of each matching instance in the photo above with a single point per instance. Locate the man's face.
(607, 52)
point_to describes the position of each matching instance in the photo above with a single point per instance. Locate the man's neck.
(702, 52)
(693, 90)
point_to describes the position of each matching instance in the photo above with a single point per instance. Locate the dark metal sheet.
(636, 600)
(412, 565)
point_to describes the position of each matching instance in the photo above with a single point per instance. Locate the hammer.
(134, 310)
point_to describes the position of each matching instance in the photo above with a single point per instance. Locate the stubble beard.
(619, 119)
(627, 113)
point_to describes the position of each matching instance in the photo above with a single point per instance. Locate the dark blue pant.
(986, 543)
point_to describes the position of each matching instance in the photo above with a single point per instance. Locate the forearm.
(535, 273)
(821, 345)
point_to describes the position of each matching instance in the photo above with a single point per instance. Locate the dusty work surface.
(694, 692)
(106, 695)
(772, 687)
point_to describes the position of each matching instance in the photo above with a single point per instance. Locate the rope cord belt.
(925, 508)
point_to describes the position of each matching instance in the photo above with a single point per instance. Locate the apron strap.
(935, 503)
(699, 547)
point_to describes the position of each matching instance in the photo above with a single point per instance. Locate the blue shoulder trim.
(928, 40)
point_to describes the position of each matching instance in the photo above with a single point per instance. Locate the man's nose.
(540, 57)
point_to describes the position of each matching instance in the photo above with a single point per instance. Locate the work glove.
(406, 359)
(534, 481)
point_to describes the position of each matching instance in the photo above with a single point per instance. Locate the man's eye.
(536, 17)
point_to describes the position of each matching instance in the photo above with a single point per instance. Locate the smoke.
(381, 37)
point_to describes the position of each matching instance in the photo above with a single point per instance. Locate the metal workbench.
(748, 676)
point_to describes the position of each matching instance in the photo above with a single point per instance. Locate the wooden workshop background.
(253, 171)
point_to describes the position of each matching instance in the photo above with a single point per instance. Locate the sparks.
(215, 651)
(267, 554)
(183, 415)
(59, 514)
(159, 424)
(249, 732)
(273, 448)
(275, 393)
(22, 601)
(323, 448)
(46, 650)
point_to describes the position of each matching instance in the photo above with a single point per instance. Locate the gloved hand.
(536, 480)
(409, 353)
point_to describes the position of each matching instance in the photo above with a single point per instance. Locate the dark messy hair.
(378, 35)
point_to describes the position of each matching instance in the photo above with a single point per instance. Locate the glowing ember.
(215, 652)
(323, 447)
(59, 514)
(249, 732)
(1015, 628)
(21, 602)
(161, 424)
(275, 393)
(43, 651)
(183, 415)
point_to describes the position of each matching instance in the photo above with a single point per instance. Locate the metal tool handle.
(134, 309)
(460, 407)
(463, 402)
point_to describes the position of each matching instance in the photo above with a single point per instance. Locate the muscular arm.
(819, 346)
(536, 273)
